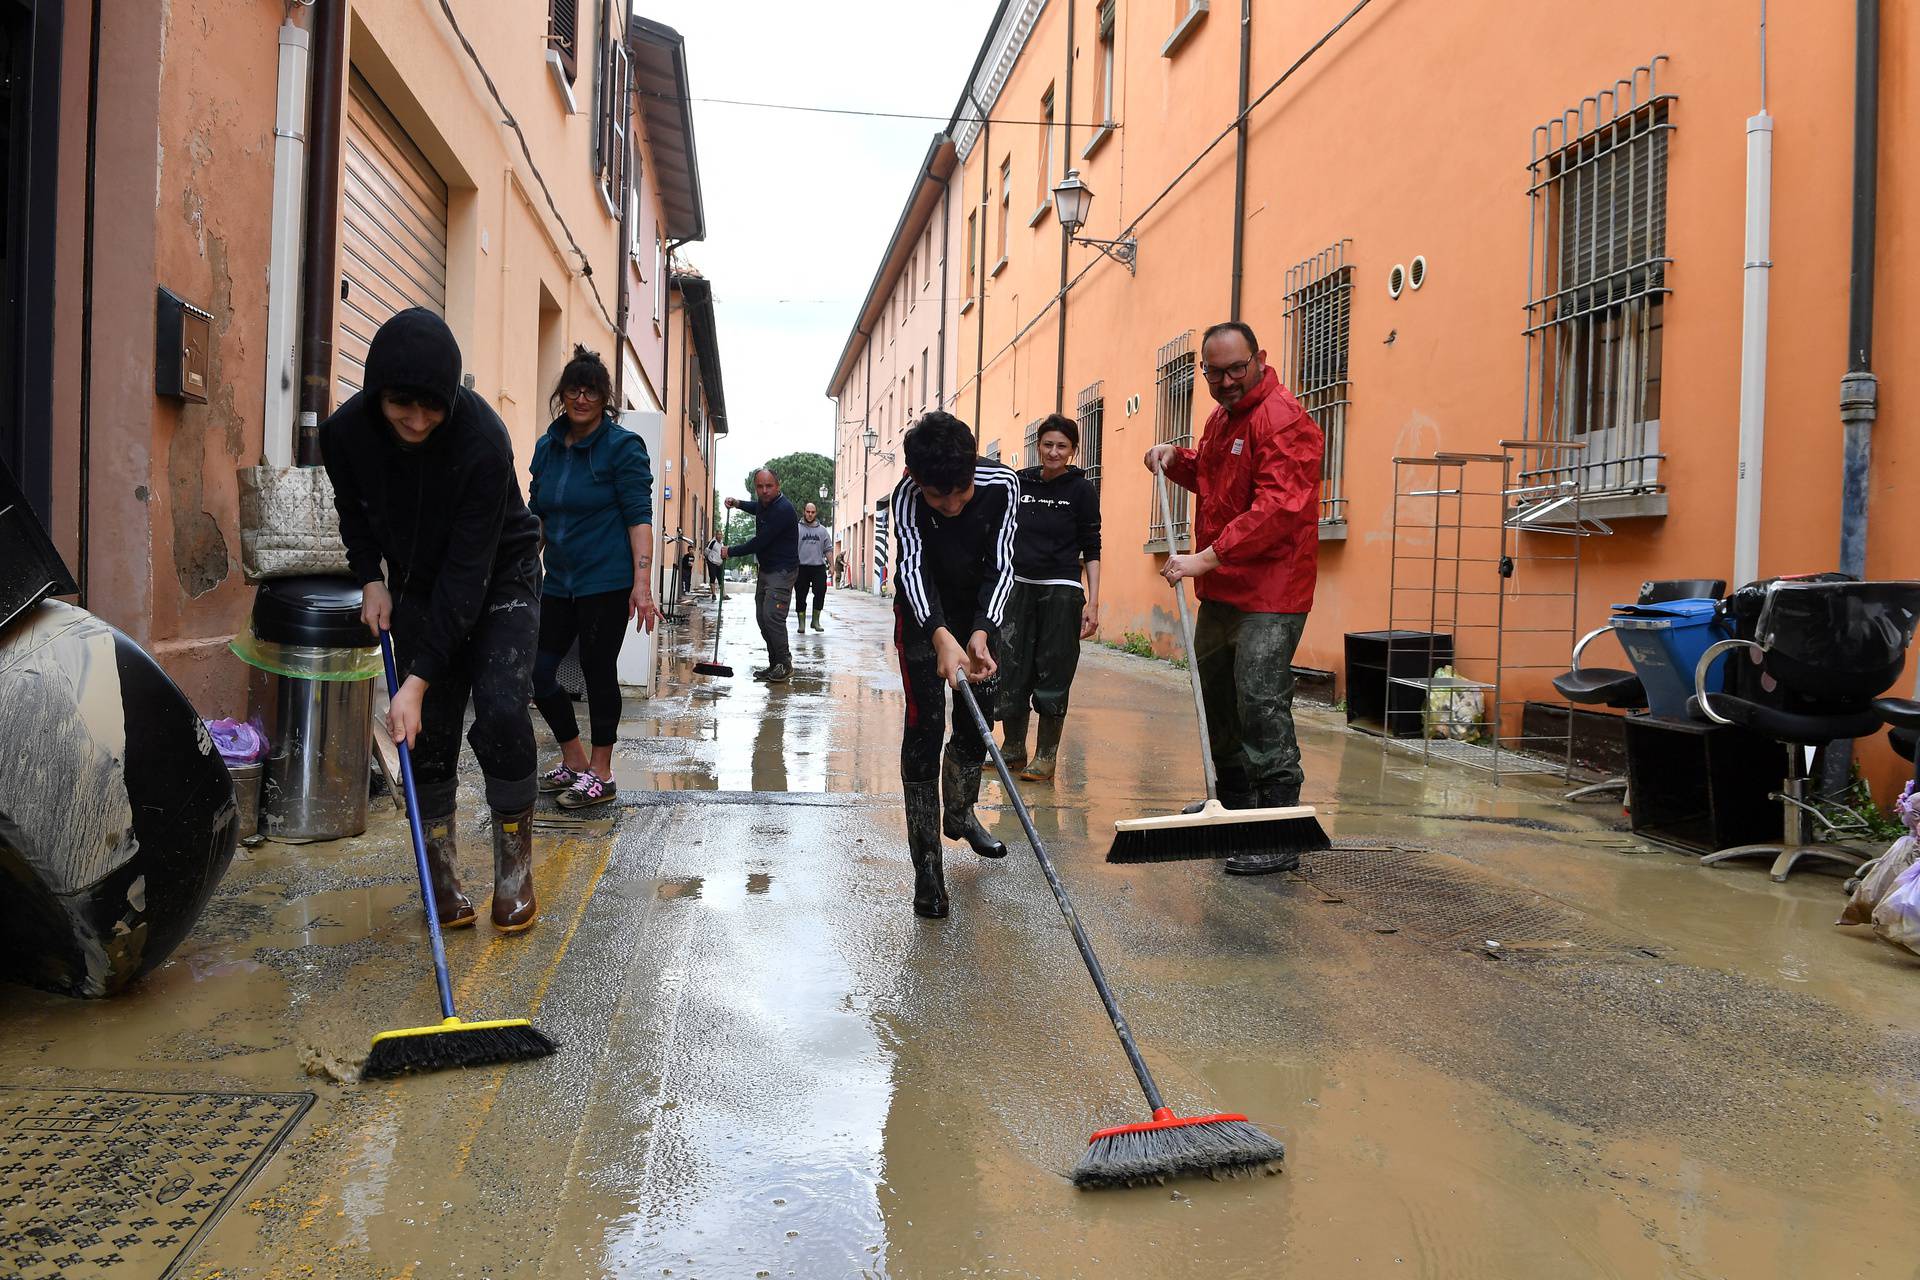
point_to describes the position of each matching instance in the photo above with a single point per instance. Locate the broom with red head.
(1167, 1146)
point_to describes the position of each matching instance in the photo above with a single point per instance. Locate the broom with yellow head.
(449, 1042)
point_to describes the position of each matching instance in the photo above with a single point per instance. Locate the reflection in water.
(759, 882)
(685, 888)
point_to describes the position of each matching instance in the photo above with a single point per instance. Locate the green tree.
(802, 477)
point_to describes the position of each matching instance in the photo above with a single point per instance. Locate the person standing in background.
(815, 541)
(592, 487)
(776, 544)
(1050, 613)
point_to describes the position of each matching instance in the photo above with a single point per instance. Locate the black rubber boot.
(1013, 741)
(1045, 748)
(1266, 864)
(959, 790)
(923, 844)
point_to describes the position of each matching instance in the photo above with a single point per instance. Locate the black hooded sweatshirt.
(1059, 526)
(446, 515)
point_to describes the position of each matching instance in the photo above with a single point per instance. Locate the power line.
(586, 265)
(823, 111)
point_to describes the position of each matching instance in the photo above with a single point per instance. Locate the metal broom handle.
(1186, 635)
(418, 830)
(1099, 976)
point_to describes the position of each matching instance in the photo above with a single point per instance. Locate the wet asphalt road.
(771, 1067)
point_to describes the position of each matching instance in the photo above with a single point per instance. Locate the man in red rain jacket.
(1257, 474)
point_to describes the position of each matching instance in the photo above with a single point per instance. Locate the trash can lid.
(1688, 610)
(319, 611)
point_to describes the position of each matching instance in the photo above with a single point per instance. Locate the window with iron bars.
(1032, 454)
(1173, 370)
(1597, 291)
(1319, 318)
(1091, 411)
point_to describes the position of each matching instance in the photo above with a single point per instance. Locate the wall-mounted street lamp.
(1072, 199)
(871, 438)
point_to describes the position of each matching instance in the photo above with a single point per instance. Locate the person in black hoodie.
(423, 477)
(955, 515)
(1049, 613)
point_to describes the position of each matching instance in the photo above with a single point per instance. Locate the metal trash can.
(311, 693)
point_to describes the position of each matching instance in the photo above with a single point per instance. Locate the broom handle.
(419, 843)
(1186, 637)
(1120, 1027)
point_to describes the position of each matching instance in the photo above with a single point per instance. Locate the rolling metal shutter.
(393, 232)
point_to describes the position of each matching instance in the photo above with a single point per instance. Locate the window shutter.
(1613, 214)
(1106, 20)
(563, 31)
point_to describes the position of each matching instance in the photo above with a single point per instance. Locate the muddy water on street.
(770, 1067)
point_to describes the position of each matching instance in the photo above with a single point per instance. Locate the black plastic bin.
(1702, 787)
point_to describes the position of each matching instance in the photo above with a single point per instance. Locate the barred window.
(1091, 412)
(1318, 324)
(1173, 424)
(1598, 288)
(1033, 443)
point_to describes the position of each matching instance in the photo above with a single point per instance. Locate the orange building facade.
(1457, 225)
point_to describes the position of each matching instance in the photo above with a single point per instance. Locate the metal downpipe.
(318, 272)
(1859, 389)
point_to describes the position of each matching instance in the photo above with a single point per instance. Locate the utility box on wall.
(183, 342)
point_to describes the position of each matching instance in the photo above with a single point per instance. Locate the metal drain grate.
(114, 1183)
(1441, 899)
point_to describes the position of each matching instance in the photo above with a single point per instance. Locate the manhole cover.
(1440, 899)
(123, 1183)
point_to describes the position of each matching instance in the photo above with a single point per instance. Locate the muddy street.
(1499, 1038)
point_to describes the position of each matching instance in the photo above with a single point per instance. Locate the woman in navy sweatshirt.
(1050, 612)
(592, 488)
(422, 474)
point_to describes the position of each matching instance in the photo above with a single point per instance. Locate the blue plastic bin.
(1665, 642)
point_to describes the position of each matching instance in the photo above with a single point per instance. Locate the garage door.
(393, 232)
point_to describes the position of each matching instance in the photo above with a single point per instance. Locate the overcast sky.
(799, 206)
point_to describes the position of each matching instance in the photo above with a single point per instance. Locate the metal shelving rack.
(1484, 555)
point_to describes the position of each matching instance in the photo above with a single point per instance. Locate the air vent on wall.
(1396, 280)
(1417, 272)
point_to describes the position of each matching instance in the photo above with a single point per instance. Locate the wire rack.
(1484, 595)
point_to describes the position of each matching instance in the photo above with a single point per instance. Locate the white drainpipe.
(1753, 351)
(282, 402)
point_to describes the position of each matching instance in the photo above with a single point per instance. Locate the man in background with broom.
(1257, 474)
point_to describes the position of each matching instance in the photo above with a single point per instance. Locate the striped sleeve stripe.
(907, 531)
(1004, 478)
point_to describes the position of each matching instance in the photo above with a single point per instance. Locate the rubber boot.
(514, 906)
(1045, 748)
(959, 789)
(1013, 742)
(816, 619)
(1266, 864)
(923, 844)
(450, 902)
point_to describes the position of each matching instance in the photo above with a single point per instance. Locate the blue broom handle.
(1186, 638)
(1099, 976)
(419, 842)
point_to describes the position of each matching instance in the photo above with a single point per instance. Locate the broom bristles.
(454, 1044)
(712, 669)
(1216, 833)
(1212, 1147)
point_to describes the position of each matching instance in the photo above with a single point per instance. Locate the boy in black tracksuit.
(954, 517)
(423, 478)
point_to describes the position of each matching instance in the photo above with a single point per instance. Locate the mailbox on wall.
(183, 341)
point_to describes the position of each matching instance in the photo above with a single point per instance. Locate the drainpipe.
(980, 320)
(866, 463)
(623, 301)
(1066, 142)
(86, 301)
(318, 283)
(1240, 158)
(946, 270)
(1749, 491)
(282, 398)
(1859, 390)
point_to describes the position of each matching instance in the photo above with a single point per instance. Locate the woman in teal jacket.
(593, 491)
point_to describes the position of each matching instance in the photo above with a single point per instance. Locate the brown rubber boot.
(1045, 748)
(1013, 741)
(450, 902)
(923, 845)
(514, 906)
